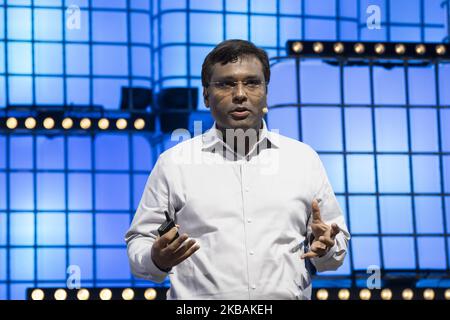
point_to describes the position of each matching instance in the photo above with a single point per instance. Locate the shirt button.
(252, 253)
(247, 189)
(249, 220)
(253, 287)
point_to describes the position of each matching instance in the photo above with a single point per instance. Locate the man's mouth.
(240, 113)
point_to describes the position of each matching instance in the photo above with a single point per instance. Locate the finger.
(183, 248)
(174, 245)
(188, 253)
(326, 241)
(316, 211)
(168, 237)
(309, 255)
(334, 230)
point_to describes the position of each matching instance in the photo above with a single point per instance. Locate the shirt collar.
(212, 136)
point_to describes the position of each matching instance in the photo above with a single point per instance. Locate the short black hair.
(230, 51)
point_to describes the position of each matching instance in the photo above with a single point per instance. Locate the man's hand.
(324, 235)
(166, 255)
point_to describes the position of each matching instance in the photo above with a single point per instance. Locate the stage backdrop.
(68, 199)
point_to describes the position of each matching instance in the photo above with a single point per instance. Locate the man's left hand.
(324, 234)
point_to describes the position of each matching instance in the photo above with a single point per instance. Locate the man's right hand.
(167, 255)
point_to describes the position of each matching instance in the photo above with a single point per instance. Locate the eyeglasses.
(229, 85)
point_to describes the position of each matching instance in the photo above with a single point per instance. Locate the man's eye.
(252, 83)
(229, 84)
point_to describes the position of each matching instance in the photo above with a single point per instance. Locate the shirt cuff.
(155, 272)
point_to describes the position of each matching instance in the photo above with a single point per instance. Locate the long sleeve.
(331, 213)
(143, 230)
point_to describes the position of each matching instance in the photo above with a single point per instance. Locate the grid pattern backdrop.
(383, 134)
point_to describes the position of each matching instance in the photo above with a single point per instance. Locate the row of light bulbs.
(360, 48)
(68, 123)
(386, 294)
(84, 294)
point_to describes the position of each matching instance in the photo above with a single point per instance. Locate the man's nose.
(239, 94)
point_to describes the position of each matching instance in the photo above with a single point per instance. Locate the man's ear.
(205, 97)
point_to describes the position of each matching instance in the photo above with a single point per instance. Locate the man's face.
(240, 106)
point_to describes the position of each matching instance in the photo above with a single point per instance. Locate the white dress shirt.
(249, 214)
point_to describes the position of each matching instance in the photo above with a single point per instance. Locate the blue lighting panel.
(104, 153)
(22, 264)
(2, 191)
(19, 23)
(361, 174)
(140, 28)
(22, 229)
(50, 191)
(78, 91)
(264, 31)
(80, 191)
(391, 129)
(19, 58)
(20, 90)
(393, 173)
(363, 214)
(263, 6)
(49, 58)
(139, 182)
(107, 92)
(424, 137)
(105, 60)
(51, 229)
(334, 165)
(48, 24)
(112, 257)
(396, 214)
(79, 152)
(77, 60)
(49, 91)
(109, 26)
(237, 26)
(51, 264)
(80, 229)
(314, 77)
(430, 252)
(429, 214)
(362, 245)
(83, 258)
(21, 191)
(111, 228)
(426, 174)
(330, 118)
(50, 152)
(392, 246)
(112, 192)
(358, 129)
(142, 154)
(199, 34)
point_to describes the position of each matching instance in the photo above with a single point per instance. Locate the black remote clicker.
(166, 226)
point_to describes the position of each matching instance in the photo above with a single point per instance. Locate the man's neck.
(241, 141)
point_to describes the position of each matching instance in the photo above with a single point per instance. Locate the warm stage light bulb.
(67, 123)
(85, 123)
(318, 47)
(103, 124)
(30, 123)
(49, 123)
(121, 124)
(400, 49)
(297, 46)
(12, 123)
(139, 124)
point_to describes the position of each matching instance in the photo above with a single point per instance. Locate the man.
(242, 226)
